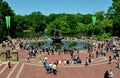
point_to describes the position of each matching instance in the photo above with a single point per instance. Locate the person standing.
(47, 50)
(52, 51)
(50, 64)
(9, 64)
(45, 60)
(97, 53)
(110, 59)
(110, 74)
(54, 67)
(28, 57)
(47, 67)
(106, 75)
(118, 63)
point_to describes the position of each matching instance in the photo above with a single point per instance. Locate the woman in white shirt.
(110, 74)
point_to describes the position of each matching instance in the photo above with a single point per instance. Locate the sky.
(46, 7)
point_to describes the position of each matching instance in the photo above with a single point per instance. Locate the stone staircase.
(96, 61)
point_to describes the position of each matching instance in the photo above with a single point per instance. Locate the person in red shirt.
(57, 62)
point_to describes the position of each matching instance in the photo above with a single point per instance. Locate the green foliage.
(36, 24)
(87, 19)
(104, 35)
(5, 10)
(38, 21)
(100, 15)
(114, 14)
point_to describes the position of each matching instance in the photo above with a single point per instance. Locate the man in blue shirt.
(47, 68)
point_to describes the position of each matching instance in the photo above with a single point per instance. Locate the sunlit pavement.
(22, 69)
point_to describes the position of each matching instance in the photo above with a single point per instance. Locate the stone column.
(3, 56)
(14, 55)
(118, 49)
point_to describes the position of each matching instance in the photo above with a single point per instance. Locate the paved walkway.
(22, 69)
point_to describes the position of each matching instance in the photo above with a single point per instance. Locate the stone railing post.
(3, 56)
(14, 55)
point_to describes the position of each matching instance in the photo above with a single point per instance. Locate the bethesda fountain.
(57, 39)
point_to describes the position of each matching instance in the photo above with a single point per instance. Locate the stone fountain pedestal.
(57, 43)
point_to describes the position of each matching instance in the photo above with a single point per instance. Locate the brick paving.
(97, 71)
(35, 70)
(6, 71)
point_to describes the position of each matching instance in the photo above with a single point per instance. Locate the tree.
(114, 13)
(100, 15)
(38, 21)
(22, 24)
(87, 19)
(5, 10)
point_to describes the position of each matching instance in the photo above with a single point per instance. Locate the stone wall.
(6, 55)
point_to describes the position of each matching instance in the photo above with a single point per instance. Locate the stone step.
(6, 70)
(100, 60)
(15, 71)
(2, 66)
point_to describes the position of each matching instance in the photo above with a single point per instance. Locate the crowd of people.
(50, 67)
(95, 50)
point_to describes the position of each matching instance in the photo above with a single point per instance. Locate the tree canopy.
(5, 10)
(34, 24)
(114, 14)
